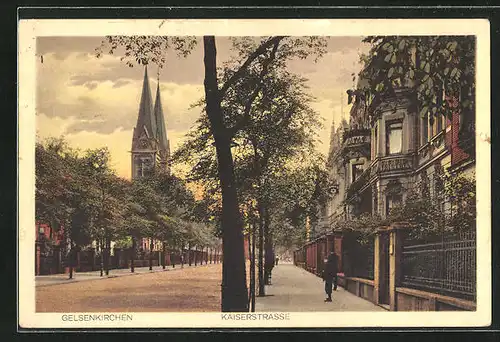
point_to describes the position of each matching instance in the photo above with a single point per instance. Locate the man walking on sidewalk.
(329, 275)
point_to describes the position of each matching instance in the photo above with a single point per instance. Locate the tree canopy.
(78, 192)
(441, 70)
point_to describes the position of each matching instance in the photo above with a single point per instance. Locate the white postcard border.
(30, 29)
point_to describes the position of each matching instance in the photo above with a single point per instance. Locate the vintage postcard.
(254, 173)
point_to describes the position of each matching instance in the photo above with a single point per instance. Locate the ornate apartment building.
(385, 150)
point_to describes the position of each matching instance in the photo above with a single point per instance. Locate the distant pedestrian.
(277, 259)
(330, 275)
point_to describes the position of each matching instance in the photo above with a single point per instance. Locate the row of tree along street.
(252, 148)
(80, 196)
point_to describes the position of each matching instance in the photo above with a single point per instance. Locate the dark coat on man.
(330, 275)
(331, 267)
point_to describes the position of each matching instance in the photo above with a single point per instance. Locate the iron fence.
(444, 265)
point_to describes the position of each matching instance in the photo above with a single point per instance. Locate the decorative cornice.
(401, 99)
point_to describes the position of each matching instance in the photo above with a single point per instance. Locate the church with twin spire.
(150, 144)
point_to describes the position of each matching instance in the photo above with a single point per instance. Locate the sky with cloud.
(94, 102)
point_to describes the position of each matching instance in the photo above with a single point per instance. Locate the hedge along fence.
(358, 257)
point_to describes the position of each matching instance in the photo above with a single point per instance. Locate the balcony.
(356, 137)
(396, 163)
(433, 147)
(381, 166)
(356, 143)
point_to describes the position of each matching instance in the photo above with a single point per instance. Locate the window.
(425, 130)
(439, 122)
(144, 166)
(140, 169)
(394, 137)
(437, 125)
(391, 202)
(357, 170)
(372, 145)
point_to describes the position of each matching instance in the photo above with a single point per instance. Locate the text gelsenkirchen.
(96, 317)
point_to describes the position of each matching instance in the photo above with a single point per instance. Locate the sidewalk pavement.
(54, 279)
(294, 289)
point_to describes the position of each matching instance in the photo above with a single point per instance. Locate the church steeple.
(161, 132)
(144, 138)
(146, 123)
(160, 120)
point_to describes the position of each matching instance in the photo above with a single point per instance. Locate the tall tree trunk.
(132, 255)
(150, 254)
(189, 255)
(251, 274)
(252, 269)
(268, 248)
(182, 257)
(108, 255)
(262, 288)
(234, 290)
(195, 255)
(101, 264)
(163, 249)
(101, 257)
(71, 258)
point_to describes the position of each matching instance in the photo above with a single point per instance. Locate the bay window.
(394, 137)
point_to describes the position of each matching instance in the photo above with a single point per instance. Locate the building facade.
(386, 150)
(380, 160)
